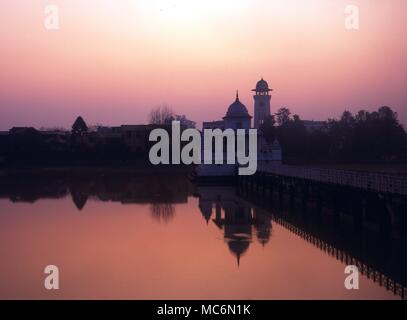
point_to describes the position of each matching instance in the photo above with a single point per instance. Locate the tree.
(282, 116)
(268, 128)
(292, 135)
(367, 136)
(347, 119)
(79, 127)
(185, 122)
(161, 115)
(364, 137)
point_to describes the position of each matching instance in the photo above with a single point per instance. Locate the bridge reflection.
(382, 279)
(365, 229)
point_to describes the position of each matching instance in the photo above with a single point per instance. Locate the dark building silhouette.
(240, 222)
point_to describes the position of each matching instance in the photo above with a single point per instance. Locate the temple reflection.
(240, 223)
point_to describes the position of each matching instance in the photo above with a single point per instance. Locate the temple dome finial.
(237, 109)
(262, 86)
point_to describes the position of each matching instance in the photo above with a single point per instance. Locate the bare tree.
(161, 115)
(162, 211)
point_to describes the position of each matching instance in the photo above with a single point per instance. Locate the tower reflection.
(240, 223)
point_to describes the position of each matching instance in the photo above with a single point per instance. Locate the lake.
(133, 235)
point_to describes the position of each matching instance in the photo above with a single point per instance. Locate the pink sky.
(113, 61)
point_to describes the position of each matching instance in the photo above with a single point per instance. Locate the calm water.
(124, 236)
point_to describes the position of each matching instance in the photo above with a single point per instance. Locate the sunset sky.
(112, 61)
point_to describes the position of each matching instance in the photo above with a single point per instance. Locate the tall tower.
(262, 101)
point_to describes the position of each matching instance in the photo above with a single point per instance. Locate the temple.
(238, 117)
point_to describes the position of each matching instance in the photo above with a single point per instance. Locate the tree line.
(363, 137)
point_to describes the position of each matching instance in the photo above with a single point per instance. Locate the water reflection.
(125, 187)
(236, 218)
(164, 212)
(268, 237)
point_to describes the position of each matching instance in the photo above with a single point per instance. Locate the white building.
(238, 117)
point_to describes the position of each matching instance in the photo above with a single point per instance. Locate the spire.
(237, 95)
